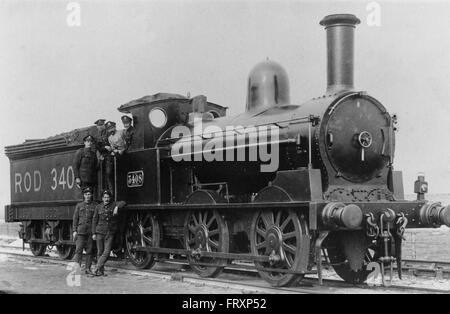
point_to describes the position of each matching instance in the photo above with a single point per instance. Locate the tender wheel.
(65, 251)
(37, 249)
(141, 230)
(206, 231)
(283, 236)
(341, 264)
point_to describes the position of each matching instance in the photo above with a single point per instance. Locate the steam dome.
(268, 86)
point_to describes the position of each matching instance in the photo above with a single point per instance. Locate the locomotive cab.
(153, 115)
(141, 173)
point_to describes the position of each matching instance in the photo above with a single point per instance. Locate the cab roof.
(149, 99)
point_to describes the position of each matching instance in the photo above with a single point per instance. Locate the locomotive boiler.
(283, 185)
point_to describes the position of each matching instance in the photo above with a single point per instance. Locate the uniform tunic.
(105, 225)
(82, 217)
(101, 140)
(117, 141)
(104, 221)
(128, 135)
(85, 166)
(82, 224)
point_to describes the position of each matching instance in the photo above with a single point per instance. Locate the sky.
(57, 74)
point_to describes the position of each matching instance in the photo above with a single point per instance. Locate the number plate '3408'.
(135, 178)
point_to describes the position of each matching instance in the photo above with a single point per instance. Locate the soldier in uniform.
(115, 148)
(86, 164)
(105, 224)
(128, 130)
(101, 140)
(100, 123)
(116, 139)
(82, 226)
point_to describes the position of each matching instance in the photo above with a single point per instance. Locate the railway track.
(423, 268)
(234, 276)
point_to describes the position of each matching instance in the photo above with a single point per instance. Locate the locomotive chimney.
(340, 37)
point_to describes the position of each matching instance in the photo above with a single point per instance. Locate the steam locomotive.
(281, 185)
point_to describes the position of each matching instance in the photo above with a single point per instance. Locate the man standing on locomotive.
(101, 140)
(85, 164)
(105, 224)
(82, 226)
(128, 130)
(116, 148)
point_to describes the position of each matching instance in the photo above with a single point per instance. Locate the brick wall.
(427, 244)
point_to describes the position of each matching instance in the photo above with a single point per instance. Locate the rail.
(239, 276)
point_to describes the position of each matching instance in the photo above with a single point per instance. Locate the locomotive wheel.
(37, 249)
(206, 231)
(141, 230)
(65, 251)
(280, 232)
(341, 264)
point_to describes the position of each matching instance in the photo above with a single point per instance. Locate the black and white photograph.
(224, 152)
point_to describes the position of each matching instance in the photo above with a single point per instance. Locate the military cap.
(126, 119)
(87, 189)
(100, 122)
(107, 192)
(88, 137)
(110, 124)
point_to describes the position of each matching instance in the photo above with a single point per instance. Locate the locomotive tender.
(334, 196)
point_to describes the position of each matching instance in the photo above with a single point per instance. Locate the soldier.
(100, 123)
(105, 224)
(116, 139)
(128, 130)
(115, 149)
(82, 226)
(85, 164)
(101, 140)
